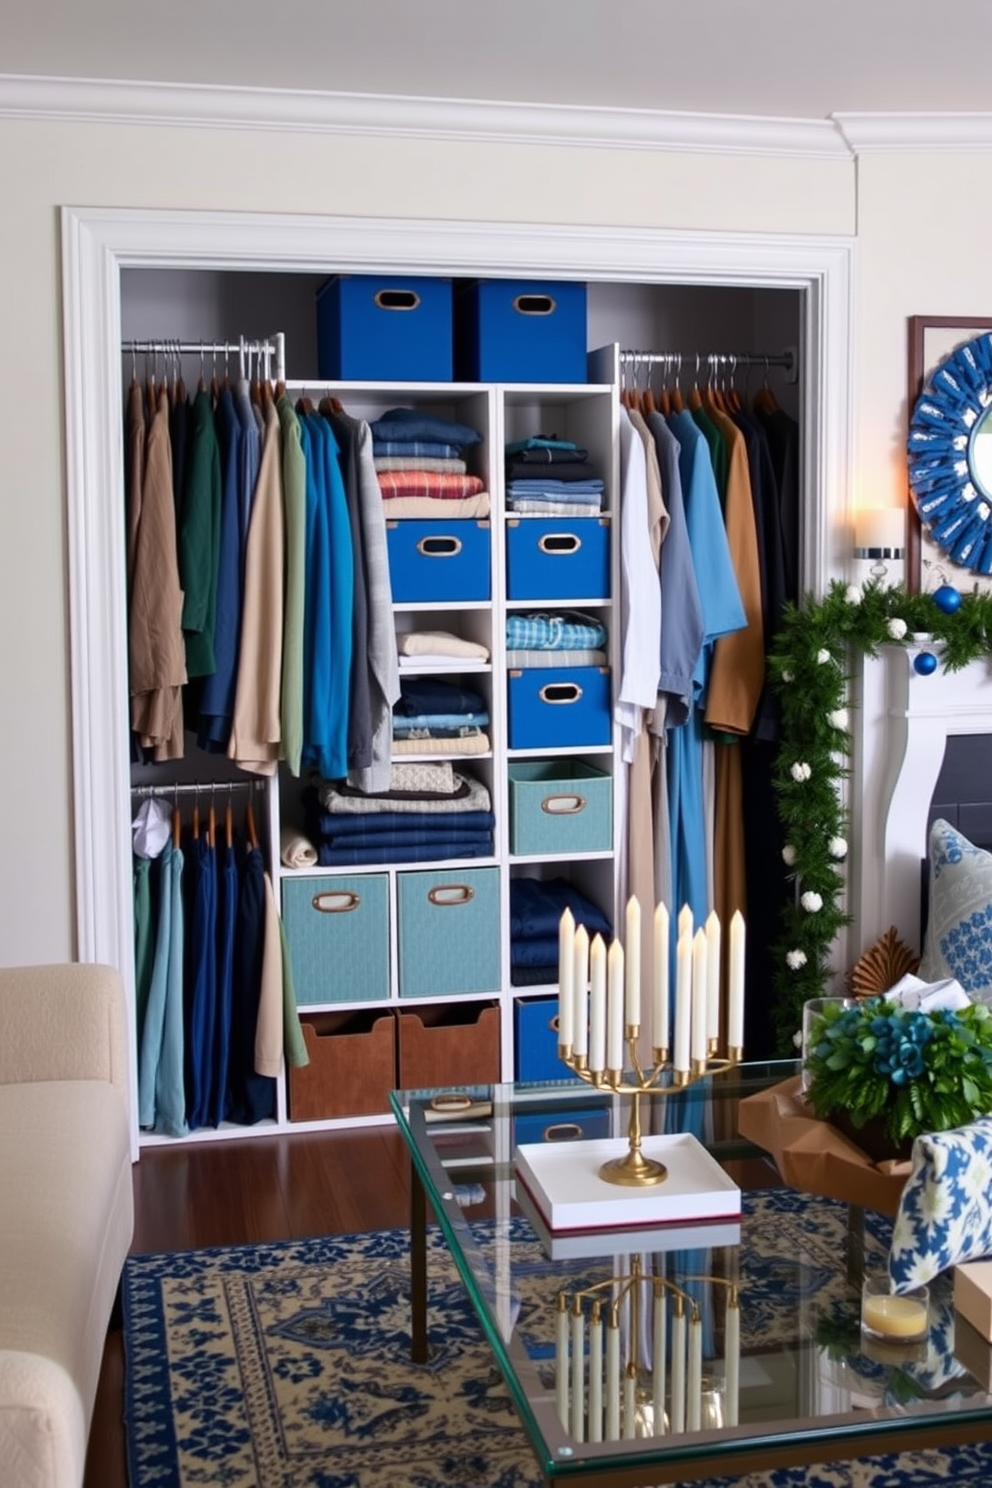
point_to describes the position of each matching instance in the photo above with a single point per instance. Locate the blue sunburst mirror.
(950, 455)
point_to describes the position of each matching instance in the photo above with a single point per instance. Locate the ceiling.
(771, 58)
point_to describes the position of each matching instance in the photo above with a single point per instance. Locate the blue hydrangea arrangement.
(916, 1072)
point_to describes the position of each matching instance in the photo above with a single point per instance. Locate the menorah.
(599, 1013)
(601, 1396)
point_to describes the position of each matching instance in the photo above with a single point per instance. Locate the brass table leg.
(418, 1269)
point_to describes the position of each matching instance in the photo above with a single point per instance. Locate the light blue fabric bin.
(448, 932)
(559, 806)
(337, 930)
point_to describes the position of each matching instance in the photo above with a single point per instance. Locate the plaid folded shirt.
(569, 631)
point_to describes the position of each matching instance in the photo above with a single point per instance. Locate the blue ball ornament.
(925, 663)
(947, 598)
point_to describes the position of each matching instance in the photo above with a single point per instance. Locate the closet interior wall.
(191, 305)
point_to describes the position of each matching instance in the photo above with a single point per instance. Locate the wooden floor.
(240, 1192)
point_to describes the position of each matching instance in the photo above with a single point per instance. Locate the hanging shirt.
(199, 537)
(217, 697)
(682, 627)
(156, 654)
(640, 594)
(737, 674)
(330, 752)
(255, 736)
(294, 496)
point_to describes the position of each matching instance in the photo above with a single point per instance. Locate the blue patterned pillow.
(959, 923)
(945, 1212)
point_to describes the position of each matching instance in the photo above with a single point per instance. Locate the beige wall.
(46, 165)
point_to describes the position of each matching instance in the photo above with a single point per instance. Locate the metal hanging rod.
(201, 788)
(713, 361)
(272, 348)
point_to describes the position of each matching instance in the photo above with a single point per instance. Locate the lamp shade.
(880, 527)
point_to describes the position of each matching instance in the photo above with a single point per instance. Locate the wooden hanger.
(304, 405)
(196, 817)
(212, 824)
(764, 398)
(250, 824)
(229, 823)
(177, 825)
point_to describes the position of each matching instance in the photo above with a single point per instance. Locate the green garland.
(809, 669)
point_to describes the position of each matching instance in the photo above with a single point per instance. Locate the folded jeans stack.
(435, 716)
(551, 477)
(536, 906)
(419, 460)
(430, 812)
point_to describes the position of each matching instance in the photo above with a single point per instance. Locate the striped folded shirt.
(438, 486)
(525, 506)
(520, 660)
(421, 462)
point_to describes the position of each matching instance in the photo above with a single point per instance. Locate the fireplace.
(901, 725)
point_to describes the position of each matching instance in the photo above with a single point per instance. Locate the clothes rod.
(270, 347)
(788, 360)
(209, 788)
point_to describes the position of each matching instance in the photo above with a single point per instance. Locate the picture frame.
(931, 339)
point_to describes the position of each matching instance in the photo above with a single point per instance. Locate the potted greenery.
(879, 1069)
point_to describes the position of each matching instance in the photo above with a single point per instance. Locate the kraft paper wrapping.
(813, 1156)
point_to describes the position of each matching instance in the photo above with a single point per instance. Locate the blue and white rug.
(288, 1365)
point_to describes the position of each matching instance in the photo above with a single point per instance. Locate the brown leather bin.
(453, 1045)
(352, 1066)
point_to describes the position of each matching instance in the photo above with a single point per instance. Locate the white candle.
(596, 1376)
(630, 1403)
(659, 1343)
(683, 1000)
(561, 1361)
(694, 1384)
(732, 1349)
(677, 1413)
(660, 978)
(613, 1378)
(597, 1004)
(580, 991)
(615, 1007)
(713, 976)
(735, 1006)
(578, 1373)
(699, 997)
(566, 976)
(632, 956)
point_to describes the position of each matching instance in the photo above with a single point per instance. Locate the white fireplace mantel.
(901, 723)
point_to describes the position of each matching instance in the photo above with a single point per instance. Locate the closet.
(392, 1018)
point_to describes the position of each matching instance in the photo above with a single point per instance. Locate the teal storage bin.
(520, 330)
(438, 562)
(559, 806)
(558, 707)
(448, 932)
(337, 930)
(384, 328)
(557, 558)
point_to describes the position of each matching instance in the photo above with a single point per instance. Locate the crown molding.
(868, 133)
(104, 100)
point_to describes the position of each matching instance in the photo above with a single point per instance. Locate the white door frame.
(98, 243)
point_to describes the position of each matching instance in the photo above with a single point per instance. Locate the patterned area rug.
(288, 1366)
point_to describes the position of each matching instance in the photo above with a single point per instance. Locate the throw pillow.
(945, 1211)
(958, 941)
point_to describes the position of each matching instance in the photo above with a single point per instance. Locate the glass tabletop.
(666, 1350)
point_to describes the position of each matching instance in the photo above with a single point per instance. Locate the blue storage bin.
(383, 328)
(583, 1124)
(438, 561)
(557, 557)
(535, 1030)
(559, 806)
(448, 931)
(337, 930)
(558, 707)
(520, 330)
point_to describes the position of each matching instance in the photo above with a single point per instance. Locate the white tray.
(564, 1182)
(651, 1239)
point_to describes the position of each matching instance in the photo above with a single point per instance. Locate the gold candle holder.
(634, 1169)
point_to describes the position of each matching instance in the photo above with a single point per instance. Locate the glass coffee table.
(761, 1363)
